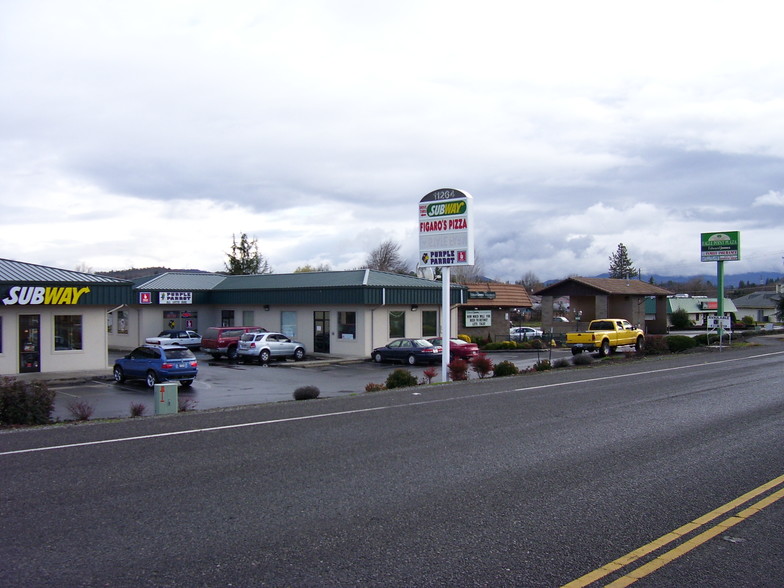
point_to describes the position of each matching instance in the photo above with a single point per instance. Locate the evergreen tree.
(621, 266)
(245, 258)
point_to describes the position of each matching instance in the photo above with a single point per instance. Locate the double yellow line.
(681, 532)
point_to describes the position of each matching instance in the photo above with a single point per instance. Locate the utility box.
(166, 400)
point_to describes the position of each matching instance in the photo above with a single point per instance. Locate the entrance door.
(321, 331)
(29, 343)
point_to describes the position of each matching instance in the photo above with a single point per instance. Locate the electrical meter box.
(166, 401)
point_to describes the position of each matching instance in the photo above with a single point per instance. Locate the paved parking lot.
(222, 384)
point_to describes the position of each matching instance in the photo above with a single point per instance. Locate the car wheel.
(377, 358)
(119, 374)
(640, 344)
(411, 360)
(215, 355)
(576, 351)
(264, 356)
(151, 379)
(231, 353)
(299, 354)
(604, 350)
(186, 383)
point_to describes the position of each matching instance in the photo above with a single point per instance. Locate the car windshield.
(183, 353)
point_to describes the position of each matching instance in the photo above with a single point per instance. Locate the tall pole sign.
(720, 247)
(446, 239)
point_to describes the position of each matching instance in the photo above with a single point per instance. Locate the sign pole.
(446, 319)
(720, 298)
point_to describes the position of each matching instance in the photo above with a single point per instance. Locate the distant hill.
(144, 272)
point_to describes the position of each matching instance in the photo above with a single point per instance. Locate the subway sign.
(34, 295)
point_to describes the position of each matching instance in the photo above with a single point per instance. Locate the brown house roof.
(577, 286)
(493, 294)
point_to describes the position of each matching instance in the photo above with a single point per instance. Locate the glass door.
(321, 331)
(29, 343)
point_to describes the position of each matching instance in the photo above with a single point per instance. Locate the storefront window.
(288, 323)
(347, 325)
(248, 318)
(429, 323)
(109, 322)
(122, 322)
(397, 323)
(67, 332)
(227, 319)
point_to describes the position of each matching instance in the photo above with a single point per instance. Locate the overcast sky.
(146, 133)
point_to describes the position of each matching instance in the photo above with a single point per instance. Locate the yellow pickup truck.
(604, 335)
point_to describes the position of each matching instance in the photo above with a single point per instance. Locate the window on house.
(122, 322)
(347, 325)
(227, 318)
(67, 332)
(397, 323)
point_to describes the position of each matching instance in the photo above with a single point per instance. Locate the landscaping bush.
(748, 322)
(680, 319)
(458, 370)
(429, 374)
(80, 410)
(25, 403)
(371, 387)
(705, 339)
(137, 409)
(561, 362)
(656, 345)
(505, 368)
(482, 365)
(306, 393)
(401, 378)
(501, 345)
(582, 359)
(542, 365)
(538, 344)
(465, 338)
(678, 343)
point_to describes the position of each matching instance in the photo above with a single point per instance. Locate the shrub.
(465, 338)
(538, 344)
(680, 319)
(137, 409)
(582, 359)
(542, 365)
(306, 393)
(458, 370)
(80, 410)
(429, 374)
(656, 345)
(401, 378)
(505, 368)
(747, 321)
(371, 387)
(482, 365)
(186, 404)
(505, 345)
(25, 403)
(705, 339)
(561, 362)
(678, 343)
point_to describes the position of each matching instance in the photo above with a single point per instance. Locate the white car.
(524, 333)
(263, 346)
(184, 337)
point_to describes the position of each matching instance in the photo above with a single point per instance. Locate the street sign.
(715, 321)
(446, 229)
(720, 246)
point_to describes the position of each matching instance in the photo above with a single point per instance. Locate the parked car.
(458, 349)
(263, 346)
(184, 337)
(411, 351)
(218, 341)
(560, 319)
(524, 333)
(157, 363)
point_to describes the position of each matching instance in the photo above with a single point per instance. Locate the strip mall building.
(54, 320)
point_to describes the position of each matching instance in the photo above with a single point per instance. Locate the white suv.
(263, 346)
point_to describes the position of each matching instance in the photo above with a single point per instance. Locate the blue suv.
(156, 363)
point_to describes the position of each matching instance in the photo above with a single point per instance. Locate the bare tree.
(386, 258)
(322, 267)
(530, 281)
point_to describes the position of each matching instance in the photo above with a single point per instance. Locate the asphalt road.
(527, 481)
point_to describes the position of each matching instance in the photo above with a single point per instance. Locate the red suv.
(219, 341)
